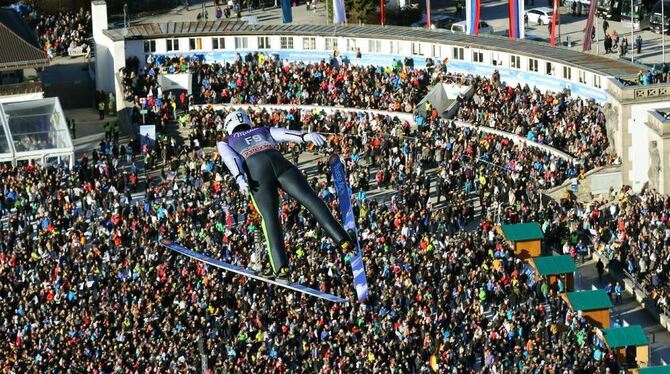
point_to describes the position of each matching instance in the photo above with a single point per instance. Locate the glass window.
(286, 42)
(549, 70)
(515, 62)
(374, 46)
(351, 45)
(172, 45)
(264, 42)
(195, 44)
(218, 43)
(331, 44)
(567, 72)
(241, 42)
(477, 56)
(582, 76)
(395, 48)
(149, 46)
(417, 49)
(596, 80)
(459, 52)
(309, 43)
(532, 64)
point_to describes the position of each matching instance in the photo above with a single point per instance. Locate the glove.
(315, 138)
(242, 183)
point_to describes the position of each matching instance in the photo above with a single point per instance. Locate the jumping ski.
(349, 223)
(248, 272)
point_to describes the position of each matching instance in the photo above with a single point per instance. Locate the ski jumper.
(252, 153)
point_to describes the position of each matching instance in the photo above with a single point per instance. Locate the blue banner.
(286, 11)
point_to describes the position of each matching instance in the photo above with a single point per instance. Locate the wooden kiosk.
(595, 306)
(525, 238)
(630, 343)
(554, 267)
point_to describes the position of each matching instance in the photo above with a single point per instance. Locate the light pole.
(663, 31)
(597, 38)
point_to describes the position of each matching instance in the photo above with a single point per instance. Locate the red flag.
(589, 27)
(554, 18)
(428, 14)
(381, 10)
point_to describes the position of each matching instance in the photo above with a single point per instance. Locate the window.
(434, 50)
(567, 72)
(149, 46)
(374, 46)
(395, 48)
(495, 59)
(515, 62)
(596, 81)
(309, 43)
(218, 43)
(351, 45)
(263, 42)
(194, 44)
(582, 76)
(416, 49)
(172, 45)
(286, 42)
(532, 64)
(477, 56)
(241, 42)
(549, 69)
(458, 53)
(331, 44)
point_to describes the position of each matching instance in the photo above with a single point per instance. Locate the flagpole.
(632, 29)
(597, 37)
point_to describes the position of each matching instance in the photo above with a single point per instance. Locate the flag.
(586, 45)
(554, 18)
(339, 16)
(286, 12)
(428, 19)
(381, 11)
(516, 23)
(472, 16)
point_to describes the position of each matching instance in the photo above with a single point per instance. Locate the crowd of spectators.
(85, 286)
(634, 233)
(63, 33)
(265, 79)
(573, 125)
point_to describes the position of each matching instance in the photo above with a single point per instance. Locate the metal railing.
(21, 88)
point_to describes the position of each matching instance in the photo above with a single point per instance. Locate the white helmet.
(236, 118)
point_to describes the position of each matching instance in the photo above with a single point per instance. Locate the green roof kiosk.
(525, 238)
(555, 267)
(630, 343)
(595, 306)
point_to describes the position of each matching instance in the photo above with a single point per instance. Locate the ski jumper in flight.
(260, 169)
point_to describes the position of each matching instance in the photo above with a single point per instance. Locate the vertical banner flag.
(554, 18)
(428, 19)
(339, 16)
(286, 11)
(472, 17)
(586, 45)
(516, 23)
(381, 11)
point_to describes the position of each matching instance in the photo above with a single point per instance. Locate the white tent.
(34, 130)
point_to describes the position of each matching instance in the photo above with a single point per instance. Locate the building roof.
(551, 265)
(19, 47)
(619, 337)
(522, 232)
(597, 64)
(655, 370)
(589, 300)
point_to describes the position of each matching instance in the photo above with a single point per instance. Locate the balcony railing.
(21, 88)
